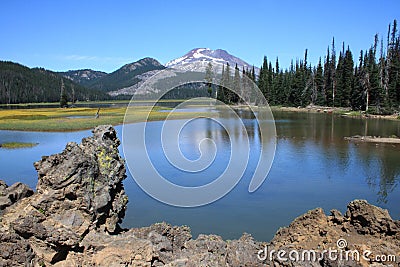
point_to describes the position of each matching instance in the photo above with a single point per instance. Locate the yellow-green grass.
(104, 102)
(352, 113)
(55, 119)
(57, 104)
(59, 119)
(14, 145)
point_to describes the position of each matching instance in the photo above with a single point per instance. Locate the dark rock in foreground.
(73, 220)
(363, 228)
(78, 191)
(10, 195)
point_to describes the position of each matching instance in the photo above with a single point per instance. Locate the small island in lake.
(374, 139)
(14, 145)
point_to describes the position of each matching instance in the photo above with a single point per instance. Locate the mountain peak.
(150, 60)
(83, 76)
(147, 61)
(201, 56)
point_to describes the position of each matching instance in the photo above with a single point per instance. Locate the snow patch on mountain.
(199, 57)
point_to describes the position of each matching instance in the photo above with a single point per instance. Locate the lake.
(313, 167)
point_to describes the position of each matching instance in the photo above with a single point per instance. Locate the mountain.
(195, 60)
(20, 84)
(133, 89)
(199, 58)
(83, 77)
(128, 75)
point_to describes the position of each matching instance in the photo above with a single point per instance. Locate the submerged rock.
(73, 220)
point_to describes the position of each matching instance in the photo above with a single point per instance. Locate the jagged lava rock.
(11, 194)
(368, 219)
(79, 190)
(90, 175)
(364, 227)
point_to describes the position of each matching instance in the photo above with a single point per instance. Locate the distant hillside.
(83, 77)
(126, 76)
(20, 84)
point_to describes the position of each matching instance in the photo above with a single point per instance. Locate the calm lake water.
(314, 167)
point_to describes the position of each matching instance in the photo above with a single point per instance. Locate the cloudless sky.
(104, 35)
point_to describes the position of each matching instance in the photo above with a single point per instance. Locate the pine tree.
(382, 72)
(209, 78)
(253, 74)
(348, 78)
(365, 82)
(357, 92)
(344, 78)
(277, 70)
(263, 78)
(394, 67)
(236, 86)
(221, 90)
(244, 87)
(327, 80)
(73, 94)
(227, 83)
(296, 88)
(314, 88)
(307, 81)
(277, 85)
(333, 71)
(375, 96)
(270, 86)
(339, 81)
(63, 96)
(319, 84)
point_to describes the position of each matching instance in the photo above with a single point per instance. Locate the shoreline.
(344, 112)
(83, 118)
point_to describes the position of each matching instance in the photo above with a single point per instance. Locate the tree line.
(238, 85)
(370, 83)
(20, 84)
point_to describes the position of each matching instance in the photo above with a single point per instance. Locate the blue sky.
(104, 35)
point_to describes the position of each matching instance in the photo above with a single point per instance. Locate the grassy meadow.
(79, 118)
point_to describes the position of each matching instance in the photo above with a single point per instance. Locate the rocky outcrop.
(73, 220)
(86, 180)
(363, 228)
(370, 220)
(10, 195)
(78, 191)
(14, 250)
(164, 245)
